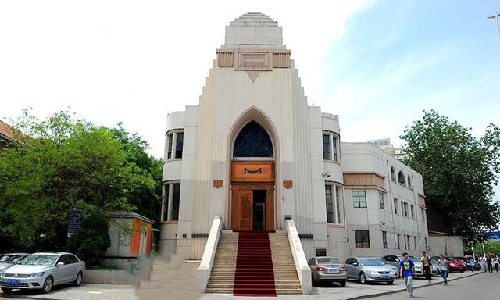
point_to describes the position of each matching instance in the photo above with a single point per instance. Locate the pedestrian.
(426, 262)
(407, 269)
(495, 261)
(483, 264)
(443, 268)
(489, 262)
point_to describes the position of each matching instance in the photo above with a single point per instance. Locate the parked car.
(472, 265)
(395, 260)
(327, 269)
(43, 271)
(9, 259)
(367, 269)
(434, 268)
(456, 265)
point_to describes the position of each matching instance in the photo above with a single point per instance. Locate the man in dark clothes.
(490, 266)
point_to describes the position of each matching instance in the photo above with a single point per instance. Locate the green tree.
(61, 163)
(459, 172)
(91, 240)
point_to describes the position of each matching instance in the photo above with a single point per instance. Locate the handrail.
(299, 257)
(208, 258)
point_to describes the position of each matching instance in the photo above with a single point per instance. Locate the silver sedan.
(327, 269)
(367, 269)
(43, 271)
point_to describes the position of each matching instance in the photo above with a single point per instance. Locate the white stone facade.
(254, 79)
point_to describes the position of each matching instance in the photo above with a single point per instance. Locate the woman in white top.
(495, 262)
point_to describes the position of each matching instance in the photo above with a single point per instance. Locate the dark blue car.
(472, 264)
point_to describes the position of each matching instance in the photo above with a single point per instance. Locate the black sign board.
(75, 220)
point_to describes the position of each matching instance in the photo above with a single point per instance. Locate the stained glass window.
(253, 141)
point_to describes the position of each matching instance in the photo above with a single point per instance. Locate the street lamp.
(496, 16)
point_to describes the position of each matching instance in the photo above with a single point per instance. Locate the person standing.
(407, 268)
(443, 267)
(489, 262)
(483, 264)
(426, 262)
(495, 262)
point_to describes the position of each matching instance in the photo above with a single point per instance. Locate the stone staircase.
(172, 277)
(222, 277)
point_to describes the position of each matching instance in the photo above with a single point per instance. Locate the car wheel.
(342, 283)
(390, 282)
(6, 290)
(48, 285)
(462, 270)
(362, 278)
(78, 280)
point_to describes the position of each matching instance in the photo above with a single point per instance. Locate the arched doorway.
(252, 179)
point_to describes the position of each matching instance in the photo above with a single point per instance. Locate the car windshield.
(452, 259)
(9, 258)
(371, 262)
(39, 260)
(328, 261)
(413, 258)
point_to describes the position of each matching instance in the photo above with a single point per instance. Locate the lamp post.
(496, 16)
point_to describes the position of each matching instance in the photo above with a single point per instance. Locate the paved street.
(479, 287)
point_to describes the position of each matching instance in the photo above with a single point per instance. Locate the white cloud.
(135, 61)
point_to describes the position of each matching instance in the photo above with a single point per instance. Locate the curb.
(404, 289)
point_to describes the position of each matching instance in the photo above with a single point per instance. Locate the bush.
(91, 240)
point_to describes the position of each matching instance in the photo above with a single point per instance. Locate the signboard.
(75, 220)
(492, 236)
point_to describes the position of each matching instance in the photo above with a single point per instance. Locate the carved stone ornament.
(218, 184)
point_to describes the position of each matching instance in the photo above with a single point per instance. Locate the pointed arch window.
(253, 141)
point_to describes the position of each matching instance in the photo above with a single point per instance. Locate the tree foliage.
(61, 163)
(92, 239)
(459, 172)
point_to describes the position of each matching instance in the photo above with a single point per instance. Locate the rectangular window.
(176, 197)
(337, 202)
(408, 242)
(422, 211)
(359, 199)
(170, 140)
(412, 210)
(330, 214)
(399, 241)
(327, 155)
(166, 202)
(395, 206)
(405, 208)
(334, 144)
(426, 247)
(180, 145)
(384, 239)
(381, 200)
(415, 242)
(362, 238)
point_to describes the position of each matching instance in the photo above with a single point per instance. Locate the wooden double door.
(252, 206)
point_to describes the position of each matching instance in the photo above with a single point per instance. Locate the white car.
(43, 271)
(10, 259)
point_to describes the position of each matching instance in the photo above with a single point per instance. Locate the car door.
(73, 267)
(60, 271)
(349, 267)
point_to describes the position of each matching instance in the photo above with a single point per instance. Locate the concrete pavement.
(480, 284)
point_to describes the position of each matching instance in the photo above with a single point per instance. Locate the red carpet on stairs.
(254, 274)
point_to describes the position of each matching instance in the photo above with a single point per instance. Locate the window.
(171, 202)
(426, 247)
(415, 242)
(422, 211)
(405, 208)
(337, 201)
(399, 241)
(253, 141)
(401, 178)
(412, 210)
(327, 155)
(330, 214)
(408, 242)
(384, 239)
(334, 145)
(175, 144)
(179, 145)
(359, 199)
(381, 200)
(362, 238)
(395, 206)
(330, 146)
(332, 203)
(393, 174)
(409, 182)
